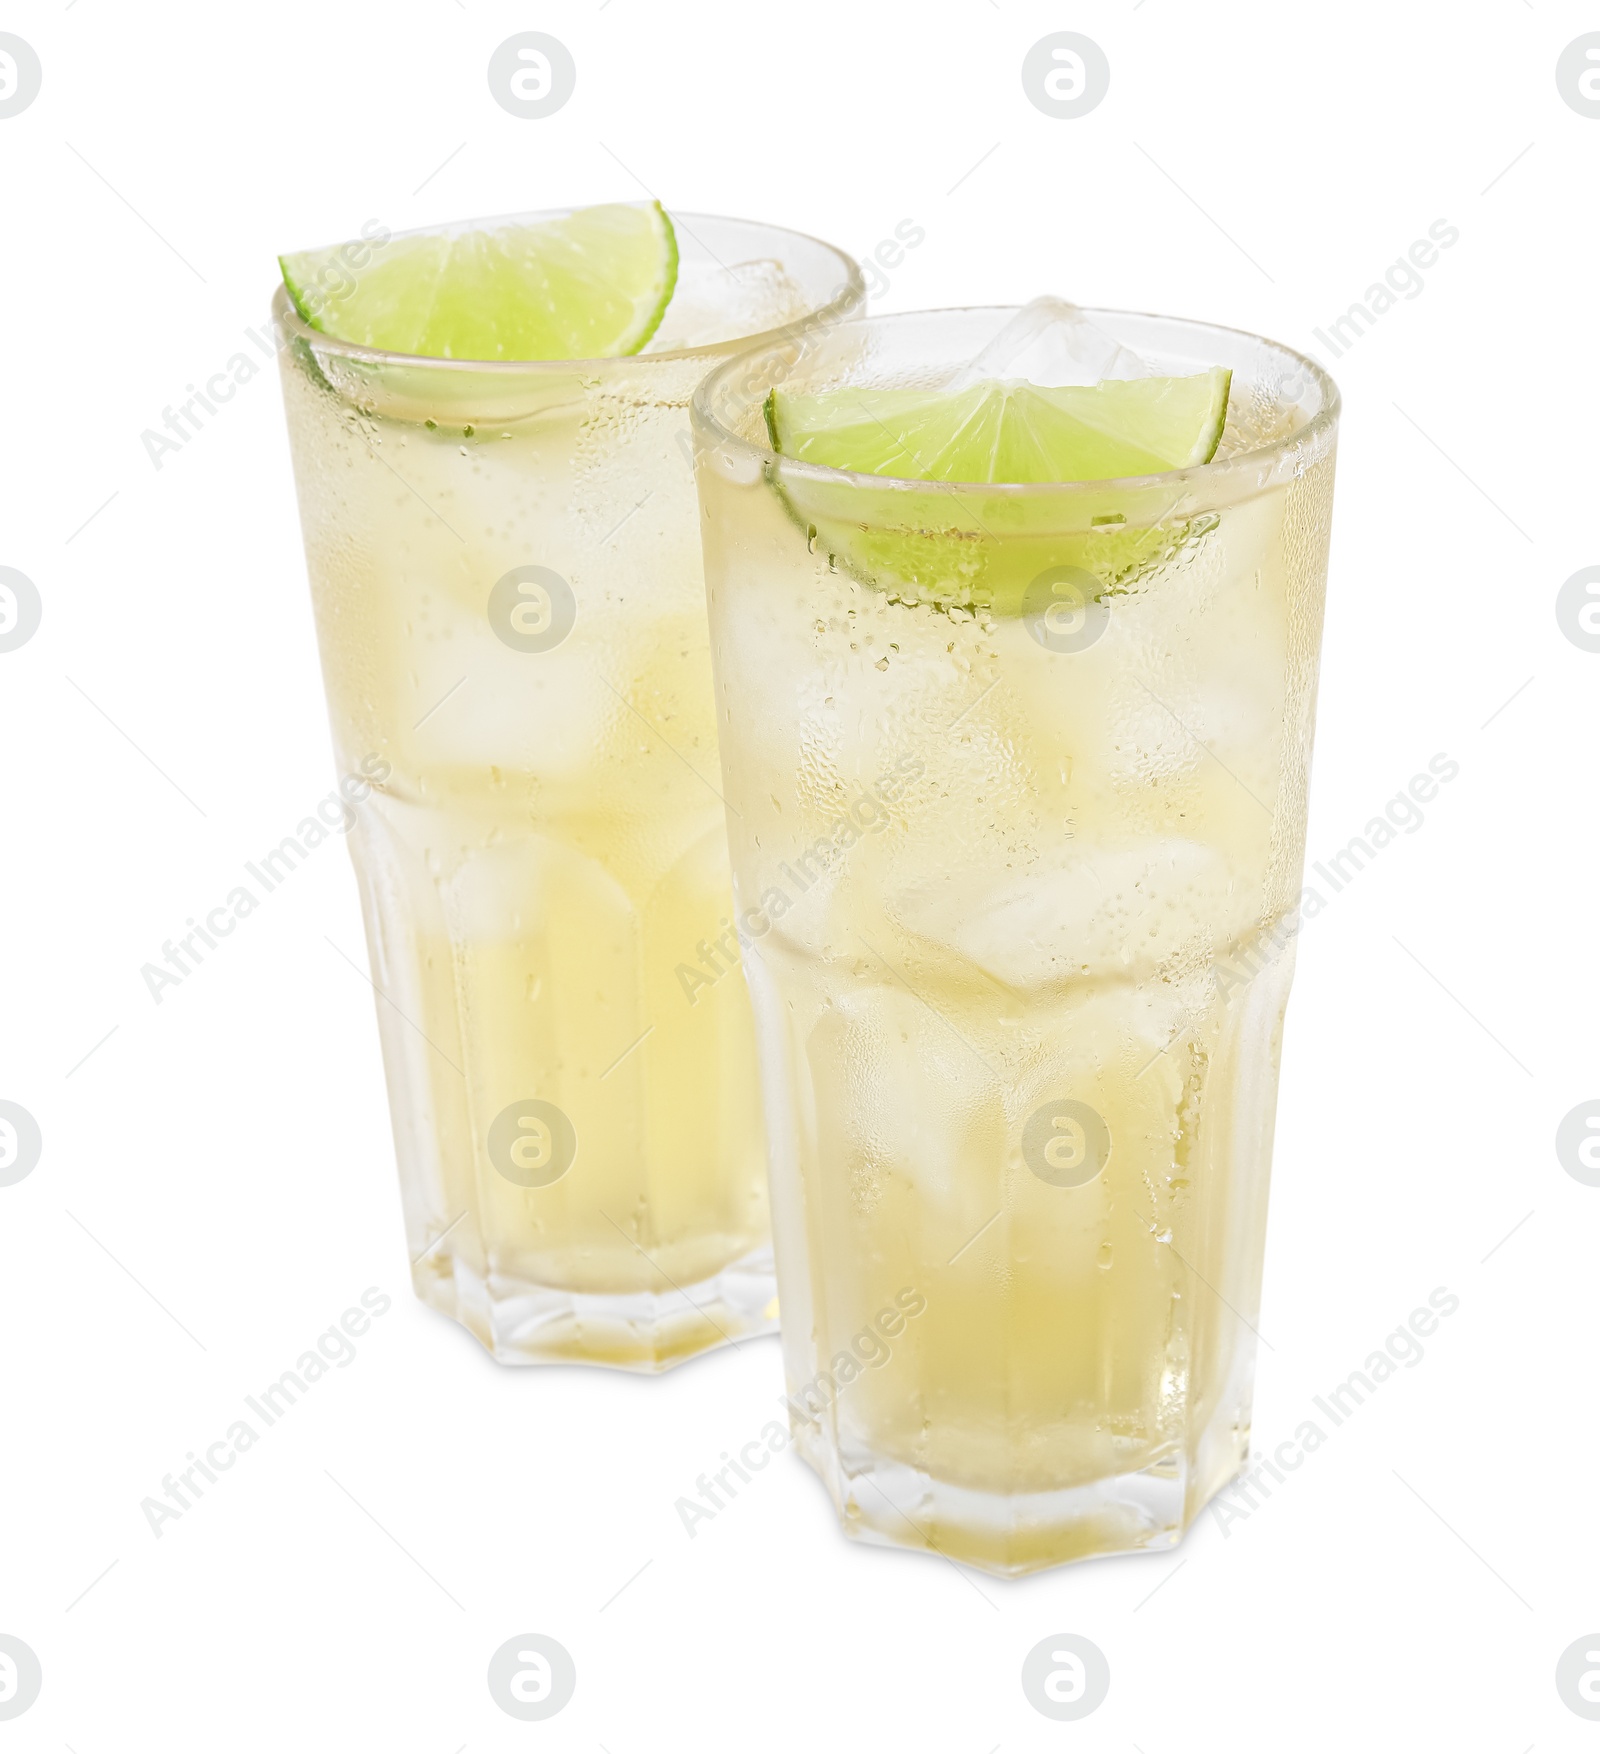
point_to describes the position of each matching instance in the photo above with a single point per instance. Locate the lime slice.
(981, 547)
(997, 431)
(592, 285)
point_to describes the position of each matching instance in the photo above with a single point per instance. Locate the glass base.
(887, 1503)
(521, 1323)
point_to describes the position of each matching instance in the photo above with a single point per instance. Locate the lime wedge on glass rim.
(975, 548)
(592, 284)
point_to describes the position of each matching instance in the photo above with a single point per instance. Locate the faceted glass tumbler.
(506, 574)
(1016, 783)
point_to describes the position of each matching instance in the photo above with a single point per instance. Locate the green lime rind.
(980, 550)
(594, 284)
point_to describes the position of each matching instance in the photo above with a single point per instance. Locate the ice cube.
(1107, 911)
(1052, 343)
(714, 301)
(476, 704)
(903, 1102)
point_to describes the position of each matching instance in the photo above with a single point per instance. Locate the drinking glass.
(1016, 782)
(506, 574)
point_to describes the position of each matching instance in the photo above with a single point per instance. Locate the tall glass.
(507, 580)
(1016, 780)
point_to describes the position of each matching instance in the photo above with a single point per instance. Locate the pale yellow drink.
(507, 581)
(1019, 899)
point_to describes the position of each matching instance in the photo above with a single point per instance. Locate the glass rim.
(1313, 436)
(849, 295)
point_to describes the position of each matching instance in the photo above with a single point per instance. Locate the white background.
(344, 1586)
